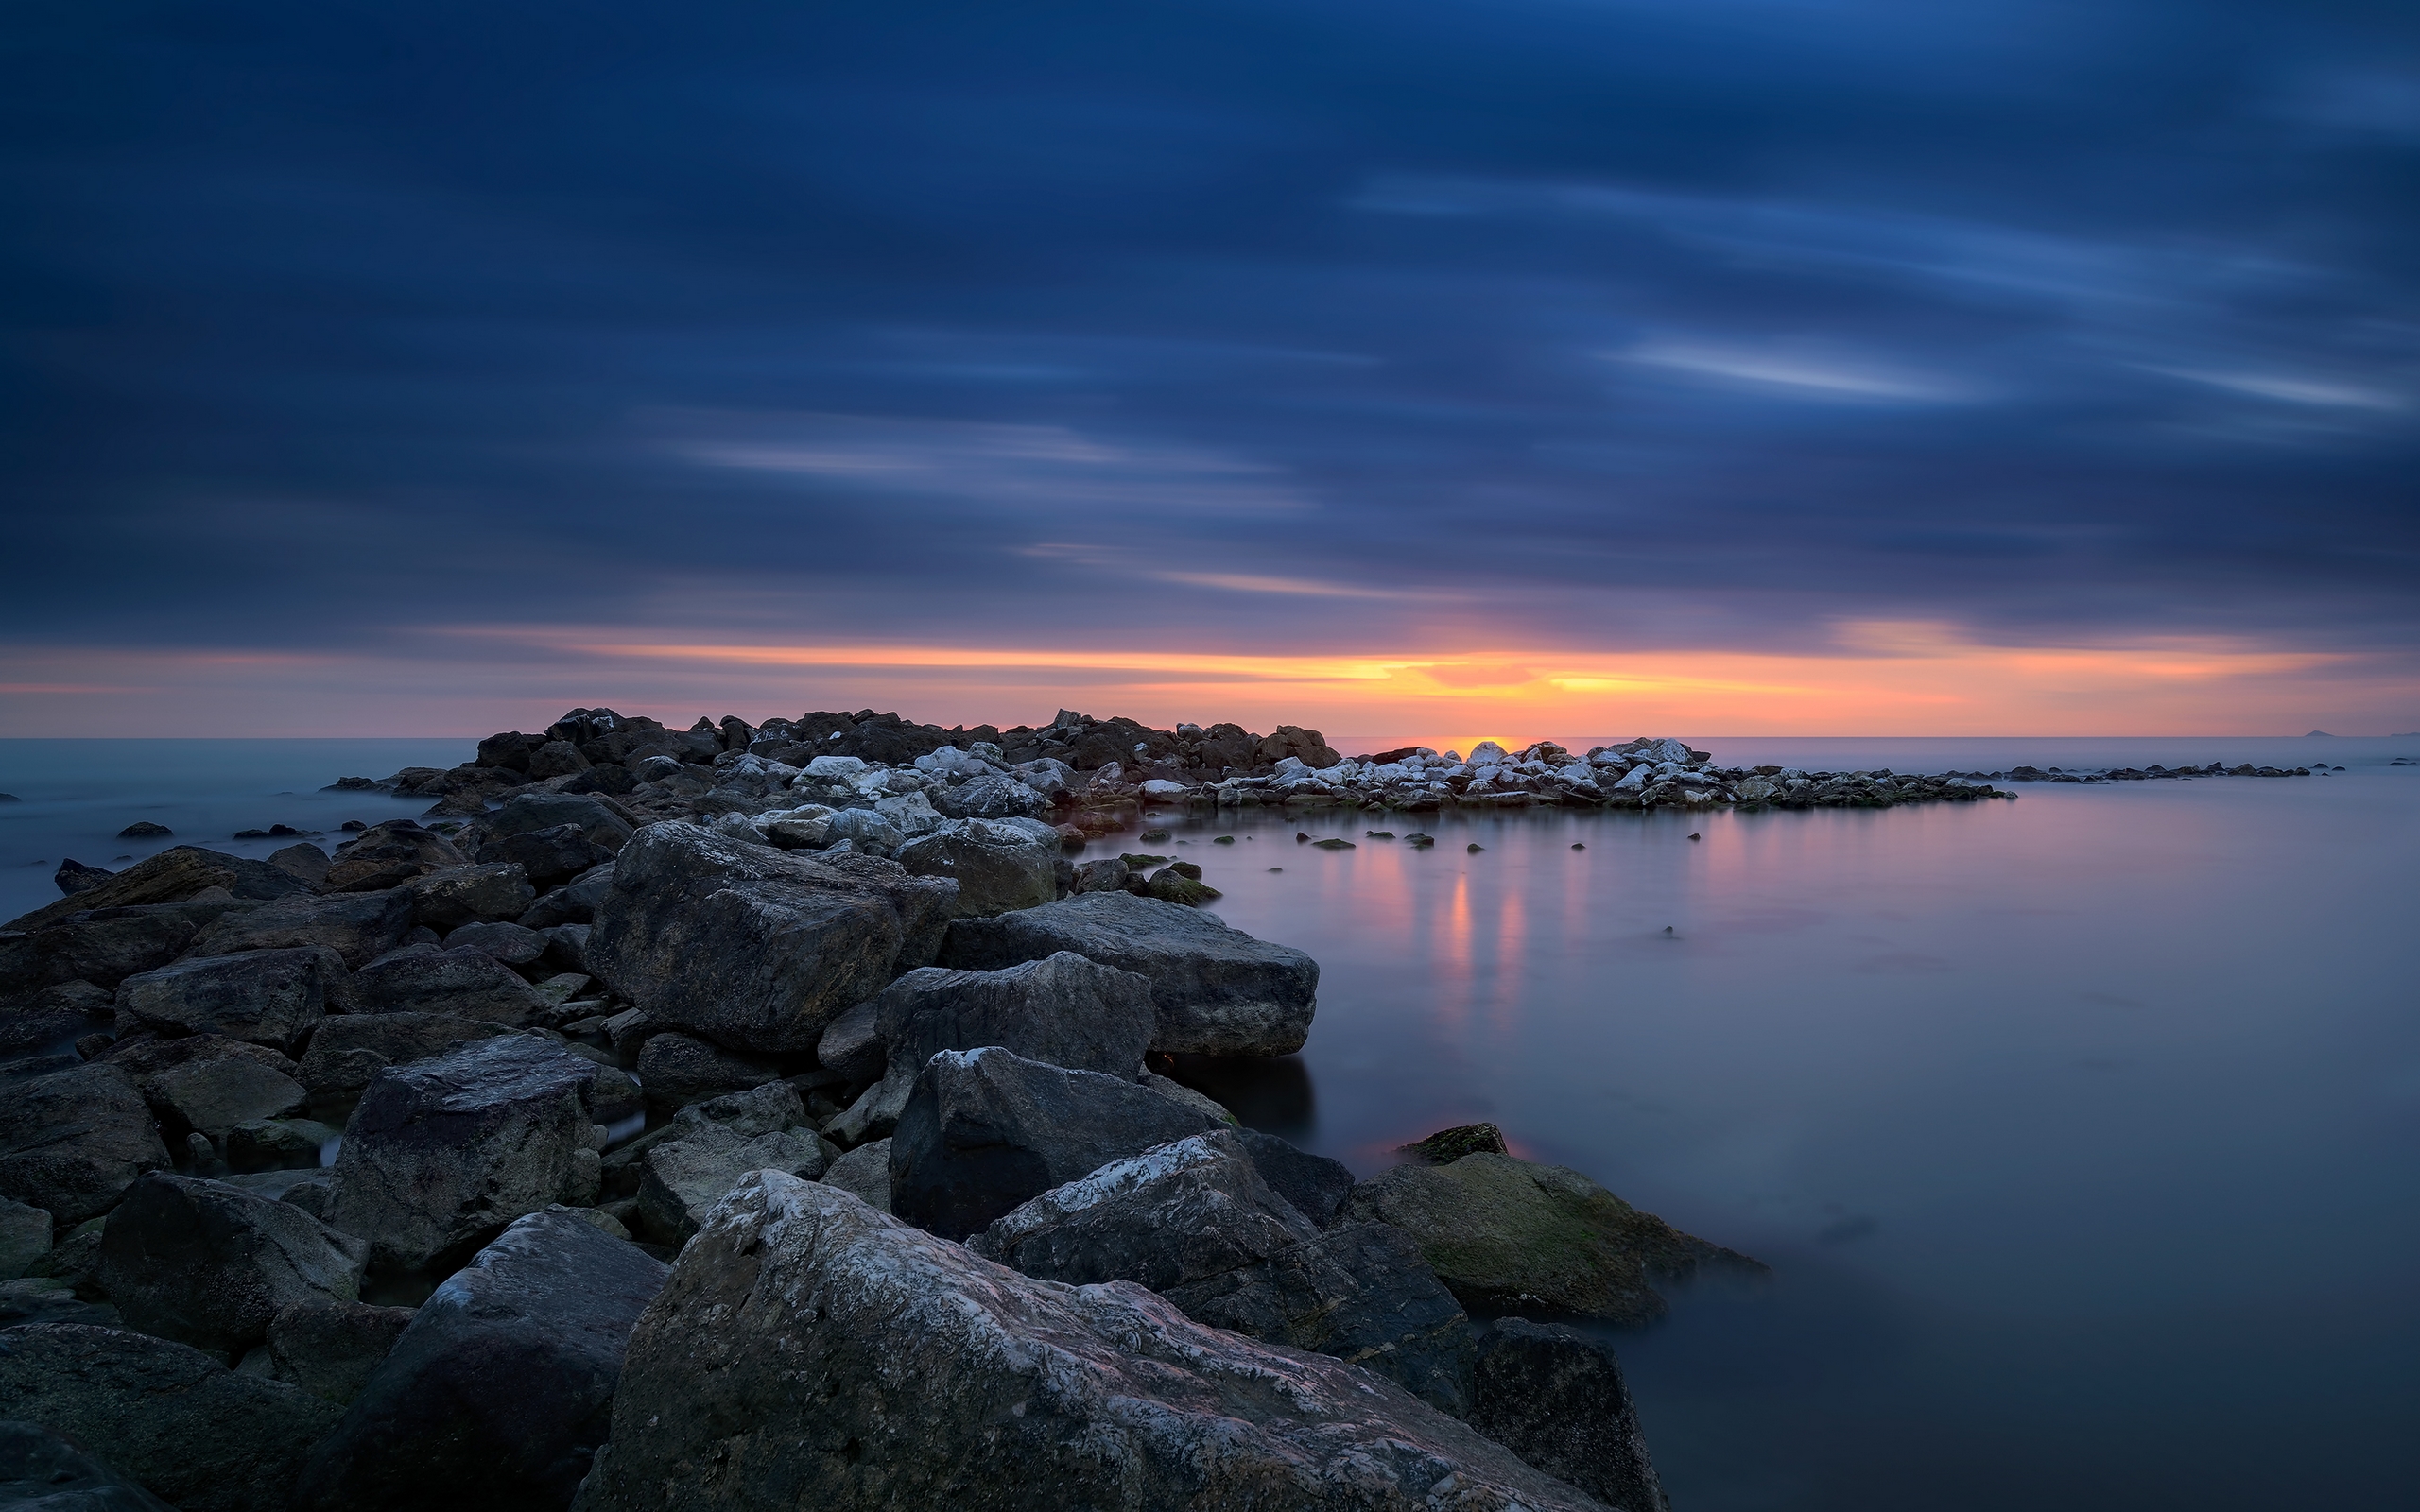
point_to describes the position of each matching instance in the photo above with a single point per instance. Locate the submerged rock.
(1215, 989)
(808, 1351)
(497, 1394)
(1506, 1234)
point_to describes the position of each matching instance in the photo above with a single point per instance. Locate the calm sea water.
(2081, 1132)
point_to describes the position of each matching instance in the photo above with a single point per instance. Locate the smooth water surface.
(2078, 1130)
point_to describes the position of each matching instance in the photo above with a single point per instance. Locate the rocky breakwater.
(740, 1130)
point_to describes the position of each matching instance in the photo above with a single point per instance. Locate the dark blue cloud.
(1704, 324)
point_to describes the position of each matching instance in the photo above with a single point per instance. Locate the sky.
(1881, 367)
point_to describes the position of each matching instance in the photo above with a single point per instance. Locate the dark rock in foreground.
(270, 997)
(1316, 1185)
(754, 947)
(40, 1471)
(497, 1395)
(71, 1141)
(987, 1129)
(1216, 990)
(205, 1437)
(171, 877)
(1556, 1398)
(331, 1349)
(210, 1265)
(810, 1352)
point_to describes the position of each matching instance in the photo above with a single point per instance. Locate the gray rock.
(278, 1144)
(549, 857)
(995, 796)
(755, 947)
(331, 1349)
(1216, 990)
(1504, 1233)
(852, 1044)
(25, 1237)
(105, 946)
(346, 1052)
(173, 876)
(1177, 1091)
(267, 997)
(939, 1379)
(305, 862)
(685, 1177)
(509, 944)
(869, 831)
(1062, 1010)
(526, 813)
(984, 1130)
(574, 903)
(202, 1436)
(455, 896)
(1316, 1185)
(389, 855)
(996, 867)
(465, 984)
(1360, 1292)
(212, 1096)
(1556, 1398)
(52, 1300)
(359, 926)
(442, 1153)
(497, 1394)
(1177, 1212)
(40, 1471)
(864, 1173)
(679, 1069)
(73, 1140)
(209, 1265)
(567, 947)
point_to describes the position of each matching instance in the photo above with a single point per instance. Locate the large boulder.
(453, 896)
(348, 1051)
(678, 1069)
(105, 946)
(211, 1095)
(463, 983)
(995, 796)
(574, 903)
(173, 876)
(205, 1437)
(811, 1353)
(1505, 1233)
(330, 1347)
(389, 855)
(602, 823)
(210, 1265)
(1215, 989)
(1316, 1185)
(497, 1395)
(41, 1471)
(73, 1139)
(25, 1237)
(357, 926)
(685, 1176)
(1555, 1396)
(754, 947)
(996, 867)
(442, 1153)
(272, 998)
(984, 1130)
(1194, 1221)
(864, 1173)
(548, 857)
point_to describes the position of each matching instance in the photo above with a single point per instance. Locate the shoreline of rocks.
(456, 1165)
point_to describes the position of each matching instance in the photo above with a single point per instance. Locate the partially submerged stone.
(1215, 989)
(1507, 1234)
(1450, 1145)
(808, 1351)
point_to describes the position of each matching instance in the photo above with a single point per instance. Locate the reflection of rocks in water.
(1272, 1093)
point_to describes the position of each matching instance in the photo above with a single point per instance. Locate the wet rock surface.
(939, 1378)
(267, 997)
(1556, 1398)
(357, 926)
(210, 1265)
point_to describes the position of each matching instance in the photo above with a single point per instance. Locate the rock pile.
(757, 1115)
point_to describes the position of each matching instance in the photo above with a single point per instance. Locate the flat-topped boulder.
(808, 1351)
(210, 1265)
(357, 926)
(480, 893)
(1507, 1234)
(984, 1130)
(442, 1153)
(347, 1052)
(1215, 989)
(389, 855)
(173, 876)
(997, 865)
(267, 997)
(464, 982)
(73, 1139)
(498, 1393)
(754, 947)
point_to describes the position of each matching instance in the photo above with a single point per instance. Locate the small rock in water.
(1301, 837)
(1697, 838)
(1474, 848)
(1224, 839)
(1576, 845)
(1420, 839)
(1450, 1145)
(1332, 842)
(1667, 929)
(74, 876)
(1378, 835)
(355, 826)
(1154, 836)
(145, 830)
(1277, 868)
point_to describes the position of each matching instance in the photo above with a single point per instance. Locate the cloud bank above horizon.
(1748, 366)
